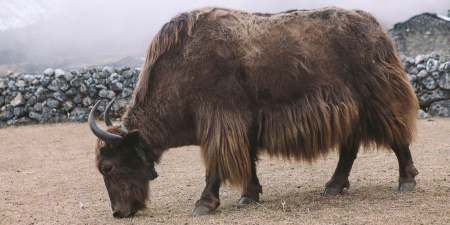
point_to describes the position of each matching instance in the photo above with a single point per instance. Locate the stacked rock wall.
(430, 77)
(60, 96)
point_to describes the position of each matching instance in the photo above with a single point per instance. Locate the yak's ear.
(131, 138)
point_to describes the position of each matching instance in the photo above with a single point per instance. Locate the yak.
(295, 85)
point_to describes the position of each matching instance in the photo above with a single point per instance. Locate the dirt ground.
(48, 176)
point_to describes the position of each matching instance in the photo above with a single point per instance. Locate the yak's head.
(124, 166)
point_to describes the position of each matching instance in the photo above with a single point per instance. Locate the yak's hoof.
(201, 211)
(408, 186)
(331, 191)
(245, 201)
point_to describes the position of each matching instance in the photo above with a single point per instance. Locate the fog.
(97, 31)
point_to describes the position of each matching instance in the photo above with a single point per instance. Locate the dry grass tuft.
(47, 175)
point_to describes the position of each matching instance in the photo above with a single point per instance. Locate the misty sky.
(93, 26)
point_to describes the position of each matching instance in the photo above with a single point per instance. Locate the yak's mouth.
(120, 215)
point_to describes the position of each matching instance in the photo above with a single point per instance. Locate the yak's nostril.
(117, 215)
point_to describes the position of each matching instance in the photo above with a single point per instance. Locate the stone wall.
(60, 96)
(430, 77)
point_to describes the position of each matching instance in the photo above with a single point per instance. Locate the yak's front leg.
(209, 200)
(339, 180)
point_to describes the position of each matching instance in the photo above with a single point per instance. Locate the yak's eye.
(107, 169)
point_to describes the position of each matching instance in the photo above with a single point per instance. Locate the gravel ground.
(48, 176)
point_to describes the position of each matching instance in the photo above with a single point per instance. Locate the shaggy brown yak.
(295, 85)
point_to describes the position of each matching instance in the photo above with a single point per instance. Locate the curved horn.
(101, 134)
(107, 119)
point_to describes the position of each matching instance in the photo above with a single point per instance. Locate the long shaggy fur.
(225, 144)
(298, 84)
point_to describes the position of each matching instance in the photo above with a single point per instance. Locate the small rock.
(42, 94)
(87, 76)
(36, 82)
(83, 70)
(18, 100)
(87, 101)
(38, 107)
(444, 67)
(31, 101)
(35, 115)
(429, 83)
(45, 81)
(432, 65)
(120, 104)
(126, 92)
(127, 74)
(116, 86)
(444, 82)
(49, 72)
(60, 96)
(435, 55)
(104, 93)
(440, 108)
(52, 103)
(21, 83)
(57, 84)
(420, 59)
(421, 67)
(101, 86)
(83, 89)
(59, 73)
(68, 105)
(12, 85)
(29, 94)
(12, 122)
(422, 114)
(65, 86)
(92, 92)
(422, 74)
(7, 113)
(26, 121)
(71, 92)
(19, 111)
(128, 83)
(3, 84)
(89, 81)
(113, 77)
(76, 82)
(77, 99)
(69, 77)
(29, 78)
(79, 114)
(106, 72)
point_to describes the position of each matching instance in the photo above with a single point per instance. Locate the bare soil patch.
(48, 176)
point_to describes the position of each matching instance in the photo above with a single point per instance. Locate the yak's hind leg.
(209, 200)
(251, 192)
(339, 180)
(406, 168)
(253, 188)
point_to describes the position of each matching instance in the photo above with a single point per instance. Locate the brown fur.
(301, 83)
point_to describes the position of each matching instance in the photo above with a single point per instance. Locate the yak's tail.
(224, 140)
